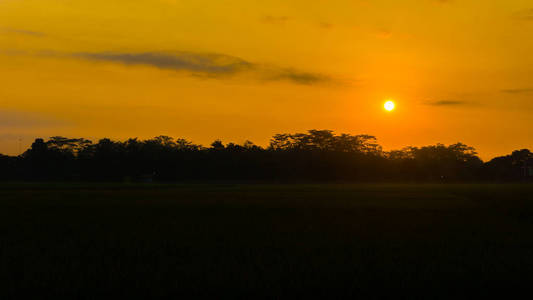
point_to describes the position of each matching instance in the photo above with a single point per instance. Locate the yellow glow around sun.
(389, 106)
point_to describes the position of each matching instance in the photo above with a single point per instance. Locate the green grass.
(275, 241)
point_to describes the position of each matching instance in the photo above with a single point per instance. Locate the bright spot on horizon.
(389, 106)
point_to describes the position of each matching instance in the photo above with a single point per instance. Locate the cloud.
(524, 15)
(209, 65)
(215, 64)
(275, 19)
(448, 103)
(282, 20)
(24, 32)
(325, 25)
(518, 91)
(298, 77)
(384, 34)
(10, 119)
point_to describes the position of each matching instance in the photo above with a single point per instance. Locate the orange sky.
(459, 70)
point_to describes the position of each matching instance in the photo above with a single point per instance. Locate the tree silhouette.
(317, 155)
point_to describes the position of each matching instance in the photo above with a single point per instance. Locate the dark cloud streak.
(448, 103)
(24, 32)
(210, 65)
(518, 91)
(299, 77)
(216, 64)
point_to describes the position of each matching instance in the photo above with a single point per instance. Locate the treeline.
(318, 155)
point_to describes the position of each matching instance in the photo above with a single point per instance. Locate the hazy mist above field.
(458, 70)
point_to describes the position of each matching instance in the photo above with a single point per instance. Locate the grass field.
(273, 241)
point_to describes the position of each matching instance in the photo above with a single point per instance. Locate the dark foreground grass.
(256, 241)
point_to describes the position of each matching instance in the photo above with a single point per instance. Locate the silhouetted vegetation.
(318, 155)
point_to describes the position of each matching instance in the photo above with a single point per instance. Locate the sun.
(389, 105)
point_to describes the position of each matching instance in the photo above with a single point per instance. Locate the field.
(265, 241)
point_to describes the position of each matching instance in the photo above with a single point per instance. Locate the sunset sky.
(458, 70)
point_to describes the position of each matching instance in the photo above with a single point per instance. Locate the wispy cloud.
(215, 64)
(518, 91)
(384, 34)
(448, 103)
(524, 15)
(282, 20)
(275, 19)
(442, 1)
(325, 25)
(206, 64)
(298, 76)
(22, 119)
(23, 32)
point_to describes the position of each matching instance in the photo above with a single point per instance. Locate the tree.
(67, 145)
(217, 145)
(314, 155)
